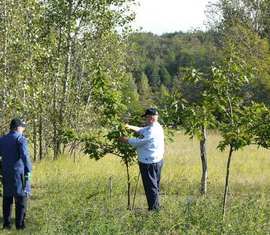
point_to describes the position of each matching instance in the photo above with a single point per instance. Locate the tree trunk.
(128, 186)
(54, 140)
(204, 177)
(110, 187)
(56, 118)
(40, 138)
(66, 77)
(35, 139)
(227, 182)
(56, 145)
(64, 148)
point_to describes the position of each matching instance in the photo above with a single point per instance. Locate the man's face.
(150, 119)
(20, 129)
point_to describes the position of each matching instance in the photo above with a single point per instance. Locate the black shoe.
(7, 226)
(20, 227)
(154, 210)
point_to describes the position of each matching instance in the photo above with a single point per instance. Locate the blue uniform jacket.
(16, 164)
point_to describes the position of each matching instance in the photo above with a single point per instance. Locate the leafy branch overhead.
(97, 146)
(227, 87)
(181, 110)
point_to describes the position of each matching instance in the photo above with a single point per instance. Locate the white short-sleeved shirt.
(150, 148)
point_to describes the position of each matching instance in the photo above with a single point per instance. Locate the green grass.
(73, 198)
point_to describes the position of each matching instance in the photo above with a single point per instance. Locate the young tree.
(111, 101)
(237, 116)
(99, 146)
(196, 116)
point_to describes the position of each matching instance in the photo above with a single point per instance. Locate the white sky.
(162, 16)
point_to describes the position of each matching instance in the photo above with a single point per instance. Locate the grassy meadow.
(74, 198)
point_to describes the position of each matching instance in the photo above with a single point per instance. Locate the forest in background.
(160, 62)
(76, 65)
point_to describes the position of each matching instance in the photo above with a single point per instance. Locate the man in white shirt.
(150, 151)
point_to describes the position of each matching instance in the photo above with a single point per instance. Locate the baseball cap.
(151, 112)
(16, 122)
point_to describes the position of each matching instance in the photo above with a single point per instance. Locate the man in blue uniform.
(150, 151)
(16, 171)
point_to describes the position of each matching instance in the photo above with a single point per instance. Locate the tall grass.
(74, 198)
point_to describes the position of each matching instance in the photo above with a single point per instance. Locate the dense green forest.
(163, 58)
(161, 61)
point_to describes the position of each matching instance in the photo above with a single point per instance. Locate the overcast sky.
(161, 16)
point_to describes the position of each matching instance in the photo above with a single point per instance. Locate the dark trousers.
(151, 182)
(20, 210)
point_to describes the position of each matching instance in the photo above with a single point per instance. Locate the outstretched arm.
(134, 128)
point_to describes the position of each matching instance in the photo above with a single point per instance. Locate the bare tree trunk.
(204, 177)
(45, 145)
(227, 182)
(40, 138)
(64, 148)
(128, 186)
(66, 77)
(56, 148)
(55, 152)
(110, 187)
(56, 137)
(56, 145)
(35, 139)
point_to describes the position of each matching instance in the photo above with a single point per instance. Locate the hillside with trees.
(62, 60)
(242, 28)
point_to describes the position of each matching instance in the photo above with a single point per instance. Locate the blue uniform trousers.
(151, 182)
(20, 210)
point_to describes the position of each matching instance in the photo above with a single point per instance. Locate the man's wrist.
(28, 176)
(123, 139)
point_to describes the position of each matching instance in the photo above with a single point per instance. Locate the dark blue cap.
(151, 112)
(17, 122)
